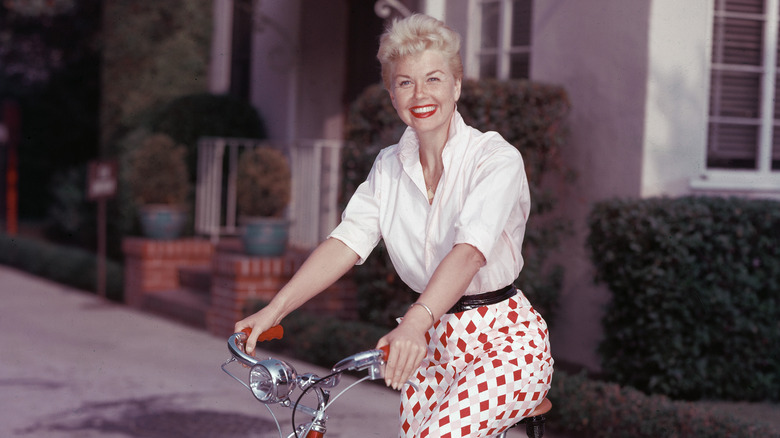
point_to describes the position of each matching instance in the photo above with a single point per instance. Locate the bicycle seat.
(542, 409)
(534, 422)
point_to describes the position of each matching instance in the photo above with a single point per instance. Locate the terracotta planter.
(264, 236)
(162, 222)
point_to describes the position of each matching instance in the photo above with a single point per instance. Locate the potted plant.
(263, 193)
(159, 183)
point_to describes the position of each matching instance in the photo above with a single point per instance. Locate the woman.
(470, 355)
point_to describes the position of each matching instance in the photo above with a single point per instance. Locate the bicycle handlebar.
(236, 343)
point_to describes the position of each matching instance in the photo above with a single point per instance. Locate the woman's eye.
(433, 79)
(404, 83)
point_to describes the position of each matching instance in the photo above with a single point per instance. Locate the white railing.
(315, 170)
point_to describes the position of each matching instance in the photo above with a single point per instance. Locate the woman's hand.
(259, 323)
(407, 350)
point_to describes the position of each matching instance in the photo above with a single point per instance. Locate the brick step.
(183, 305)
(196, 278)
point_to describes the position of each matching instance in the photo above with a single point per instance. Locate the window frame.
(504, 51)
(762, 178)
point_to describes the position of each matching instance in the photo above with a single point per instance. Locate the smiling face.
(424, 91)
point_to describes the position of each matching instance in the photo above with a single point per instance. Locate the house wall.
(597, 50)
(299, 68)
(322, 70)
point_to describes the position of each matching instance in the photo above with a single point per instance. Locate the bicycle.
(273, 382)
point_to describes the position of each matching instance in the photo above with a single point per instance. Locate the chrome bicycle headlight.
(272, 380)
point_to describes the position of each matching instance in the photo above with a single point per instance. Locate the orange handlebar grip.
(275, 332)
(386, 349)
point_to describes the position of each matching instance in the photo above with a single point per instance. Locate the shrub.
(71, 266)
(151, 53)
(70, 217)
(263, 183)
(592, 408)
(695, 284)
(528, 115)
(190, 117)
(157, 172)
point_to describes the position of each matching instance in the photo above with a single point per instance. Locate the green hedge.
(695, 284)
(190, 117)
(527, 114)
(590, 408)
(67, 265)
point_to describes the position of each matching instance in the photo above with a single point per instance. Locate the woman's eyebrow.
(427, 74)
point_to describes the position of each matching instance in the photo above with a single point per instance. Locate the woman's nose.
(419, 90)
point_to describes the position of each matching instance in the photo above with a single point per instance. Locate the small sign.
(102, 180)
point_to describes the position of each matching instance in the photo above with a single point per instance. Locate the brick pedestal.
(240, 281)
(153, 265)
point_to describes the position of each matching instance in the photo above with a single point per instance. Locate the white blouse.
(482, 199)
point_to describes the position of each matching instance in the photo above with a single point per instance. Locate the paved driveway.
(74, 366)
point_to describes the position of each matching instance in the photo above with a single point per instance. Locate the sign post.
(101, 186)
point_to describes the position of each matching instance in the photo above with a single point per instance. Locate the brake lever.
(373, 360)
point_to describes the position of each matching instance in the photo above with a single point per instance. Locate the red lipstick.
(423, 111)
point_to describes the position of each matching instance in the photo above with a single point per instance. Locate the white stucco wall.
(677, 96)
(597, 50)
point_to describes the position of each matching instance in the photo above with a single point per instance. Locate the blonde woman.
(471, 356)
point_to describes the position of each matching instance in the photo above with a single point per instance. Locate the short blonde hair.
(414, 35)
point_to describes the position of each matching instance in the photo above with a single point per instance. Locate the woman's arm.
(329, 261)
(447, 285)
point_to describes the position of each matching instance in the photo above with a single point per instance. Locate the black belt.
(468, 302)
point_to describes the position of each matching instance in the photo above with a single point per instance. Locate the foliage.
(190, 117)
(71, 266)
(153, 53)
(71, 218)
(263, 183)
(696, 295)
(529, 115)
(49, 63)
(39, 39)
(157, 172)
(590, 408)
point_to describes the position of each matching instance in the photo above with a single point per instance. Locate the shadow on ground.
(157, 417)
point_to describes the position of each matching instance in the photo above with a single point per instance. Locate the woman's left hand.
(407, 350)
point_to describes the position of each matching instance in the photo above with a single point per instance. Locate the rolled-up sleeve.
(495, 188)
(359, 227)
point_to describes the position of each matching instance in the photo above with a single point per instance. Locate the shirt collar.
(409, 144)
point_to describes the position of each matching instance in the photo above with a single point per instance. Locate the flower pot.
(264, 236)
(162, 222)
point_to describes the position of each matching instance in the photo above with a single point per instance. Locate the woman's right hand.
(259, 322)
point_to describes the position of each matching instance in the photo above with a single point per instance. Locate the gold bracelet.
(428, 309)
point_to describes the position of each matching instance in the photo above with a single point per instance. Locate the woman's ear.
(457, 89)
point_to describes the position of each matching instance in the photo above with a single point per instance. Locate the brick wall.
(153, 265)
(238, 281)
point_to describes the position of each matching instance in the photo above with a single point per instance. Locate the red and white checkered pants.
(486, 369)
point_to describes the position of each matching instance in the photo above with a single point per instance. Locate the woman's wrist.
(419, 315)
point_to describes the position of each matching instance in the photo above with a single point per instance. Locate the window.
(744, 107)
(504, 47)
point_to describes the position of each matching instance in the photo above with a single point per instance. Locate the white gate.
(313, 208)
